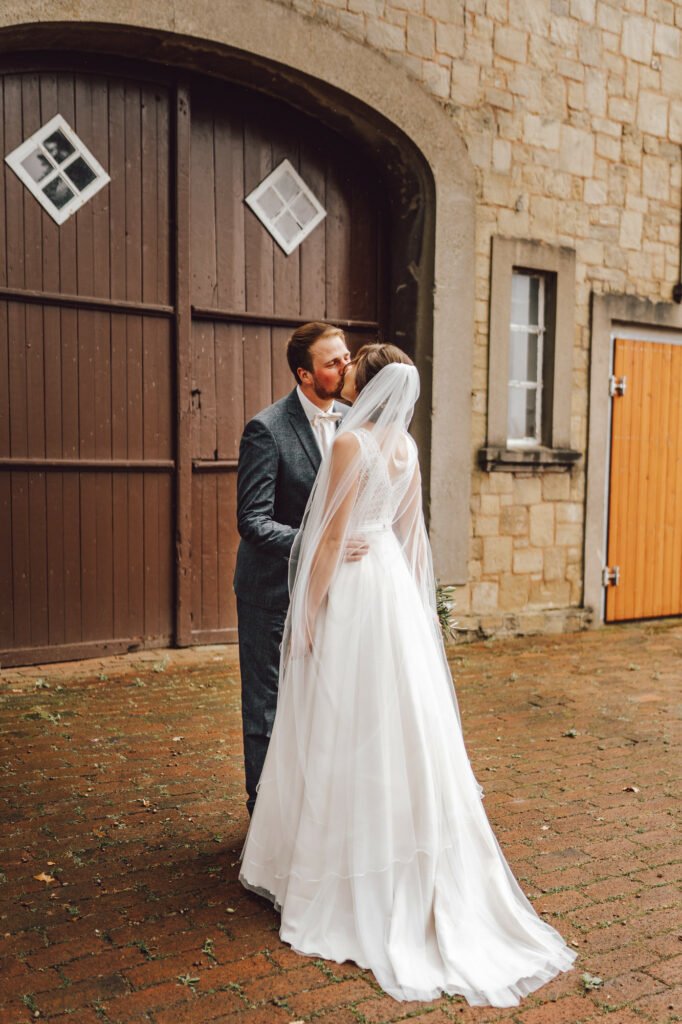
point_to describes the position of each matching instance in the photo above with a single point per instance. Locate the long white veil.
(369, 482)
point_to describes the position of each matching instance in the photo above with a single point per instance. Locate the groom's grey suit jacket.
(278, 462)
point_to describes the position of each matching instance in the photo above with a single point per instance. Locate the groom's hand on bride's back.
(356, 549)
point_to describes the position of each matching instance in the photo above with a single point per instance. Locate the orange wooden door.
(645, 504)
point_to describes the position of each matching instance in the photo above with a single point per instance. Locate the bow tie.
(321, 417)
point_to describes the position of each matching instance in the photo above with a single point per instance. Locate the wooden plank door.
(86, 402)
(247, 296)
(645, 500)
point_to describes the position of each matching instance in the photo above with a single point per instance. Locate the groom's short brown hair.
(302, 340)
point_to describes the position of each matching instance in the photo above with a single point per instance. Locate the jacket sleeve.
(256, 484)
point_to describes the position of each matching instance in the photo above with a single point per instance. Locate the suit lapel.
(304, 431)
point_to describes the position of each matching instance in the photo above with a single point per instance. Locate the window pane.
(58, 146)
(270, 202)
(521, 421)
(288, 227)
(37, 165)
(303, 210)
(525, 299)
(58, 192)
(286, 186)
(80, 173)
(523, 356)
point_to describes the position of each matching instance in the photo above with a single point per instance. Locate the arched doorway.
(138, 336)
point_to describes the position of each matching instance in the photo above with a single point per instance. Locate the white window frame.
(35, 141)
(538, 329)
(270, 224)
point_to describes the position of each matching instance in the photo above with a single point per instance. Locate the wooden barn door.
(86, 405)
(645, 503)
(247, 296)
(138, 337)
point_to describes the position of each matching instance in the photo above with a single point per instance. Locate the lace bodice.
(379, 497)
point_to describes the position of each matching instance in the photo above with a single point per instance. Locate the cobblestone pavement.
(123, 816)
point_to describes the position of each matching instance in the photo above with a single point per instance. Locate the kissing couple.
(367, 828)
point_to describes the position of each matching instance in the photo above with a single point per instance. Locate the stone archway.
(322, 70)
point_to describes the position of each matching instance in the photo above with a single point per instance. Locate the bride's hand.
(356, 549)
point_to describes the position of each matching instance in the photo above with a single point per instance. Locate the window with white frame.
(526, 344)
(286, 206)
(58, 169)
(531, 338)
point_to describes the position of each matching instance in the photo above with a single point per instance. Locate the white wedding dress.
(369, 832)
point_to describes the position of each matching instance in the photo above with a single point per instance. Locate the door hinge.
(617, 385)
(610, 577)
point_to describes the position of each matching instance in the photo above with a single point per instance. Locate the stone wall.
(571, 111)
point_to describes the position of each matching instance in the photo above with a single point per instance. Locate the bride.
(369, 833)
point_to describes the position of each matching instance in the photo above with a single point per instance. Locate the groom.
(279, 456)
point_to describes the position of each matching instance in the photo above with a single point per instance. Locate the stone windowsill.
(514, 460)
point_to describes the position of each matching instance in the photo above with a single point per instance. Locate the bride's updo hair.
(371, 358)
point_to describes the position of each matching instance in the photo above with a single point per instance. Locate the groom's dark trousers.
(278, 462)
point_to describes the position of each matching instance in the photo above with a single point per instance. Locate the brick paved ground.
(121, 789)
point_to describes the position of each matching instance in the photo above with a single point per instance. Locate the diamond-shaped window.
(58, 168)
(286, 206)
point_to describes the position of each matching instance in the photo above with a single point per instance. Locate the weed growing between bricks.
(123, 818)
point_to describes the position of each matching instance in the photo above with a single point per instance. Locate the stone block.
(372, 7)
(590, 47)
(656, 177)
(630, 230)
(584, 10)
(568, 534)
(497, 10)
(538, 131)
(576, 152)
(514, 591)
(637, 41)
(449, 39)
(465, 85)
(671, 77)
(514, 521)
(554, 564)
(569, 512)
(609, 18)
(528, 560)
(384, 36)
(486, 526)
(532, 15)
(510, 43)
(621, 109)
(490, 504)
(564, 33)
(576, 96)
(542, 525)
(353, 25)
(667, 40)
(556, 594)
(595, 91)
(445, 10)
(437, 79)
(497, 555)
(652, 113)
(608, 148)
(421, 36)
(502, 154)
(500, 483)
(675, 121)
(596, 193)
(556, 487)
(527, 490)
(484, 597)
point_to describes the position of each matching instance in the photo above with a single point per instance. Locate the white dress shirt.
(323, 424)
